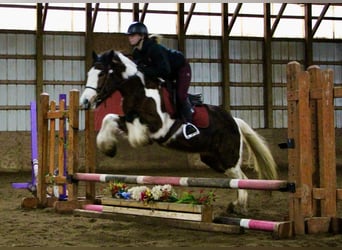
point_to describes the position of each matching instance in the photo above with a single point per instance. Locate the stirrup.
(192, 134)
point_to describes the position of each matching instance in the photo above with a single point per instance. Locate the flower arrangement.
(119, 190)
(159, 193)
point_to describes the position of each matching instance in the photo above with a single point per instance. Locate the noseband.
(89, 87)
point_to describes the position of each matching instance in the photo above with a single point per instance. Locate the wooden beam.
(135, 12)
(308, 35)
(267, 67)
(88, 37)
(144, 11)
(225, 57)
(234, 17)
(180, 27)
(188, 18)
(276, 21)
(39, 53)
(320, 18)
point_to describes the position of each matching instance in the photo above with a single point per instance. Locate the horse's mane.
(130, 65)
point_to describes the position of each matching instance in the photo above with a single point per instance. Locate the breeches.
(183, 82)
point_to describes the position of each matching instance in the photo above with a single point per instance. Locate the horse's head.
(109, 70)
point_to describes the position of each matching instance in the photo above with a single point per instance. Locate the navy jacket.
(155, 60)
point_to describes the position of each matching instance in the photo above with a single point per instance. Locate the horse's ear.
(94, 56)
(111, 54)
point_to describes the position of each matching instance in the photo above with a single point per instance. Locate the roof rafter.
(320, 18)
(277, 20)
(93, 19)
(188, 18)
(234, 17)
(143, 12)
(46, 6)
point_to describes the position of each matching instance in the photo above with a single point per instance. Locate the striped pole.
(263, 225)
(279, 185)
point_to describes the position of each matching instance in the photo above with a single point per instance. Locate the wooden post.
(225, 57)
(42, 148)
(52, 139)
(267, 67)
(323, 155)
(327, 146)
(61, 142)
(39, 53)
(315, 104)
(304, 145)
(73, 142)
(90, 152)
(295, 207)
(180, 27)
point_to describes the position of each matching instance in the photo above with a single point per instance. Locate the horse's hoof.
(230, 208)
(236, 209)
(111, 152)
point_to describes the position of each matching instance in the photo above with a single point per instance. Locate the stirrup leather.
(192, 134)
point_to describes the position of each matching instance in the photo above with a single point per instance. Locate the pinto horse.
(146, 120)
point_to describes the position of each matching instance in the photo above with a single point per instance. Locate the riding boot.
(189, 129)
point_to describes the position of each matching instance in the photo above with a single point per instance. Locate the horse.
(145, 120)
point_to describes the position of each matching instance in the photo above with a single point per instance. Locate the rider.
(155, 61)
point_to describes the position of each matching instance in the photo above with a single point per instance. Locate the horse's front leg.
(106, 139)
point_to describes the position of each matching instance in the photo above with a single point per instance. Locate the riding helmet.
(137, 28)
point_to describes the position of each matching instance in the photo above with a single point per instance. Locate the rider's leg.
(189, 129)
(186, 111)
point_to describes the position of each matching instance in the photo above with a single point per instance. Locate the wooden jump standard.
(311, 149)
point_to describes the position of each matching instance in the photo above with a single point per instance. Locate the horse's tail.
(264, 162)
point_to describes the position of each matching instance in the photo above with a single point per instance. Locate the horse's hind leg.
(240, 204)
(212, 161)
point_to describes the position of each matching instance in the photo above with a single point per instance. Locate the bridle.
(98, 90)
(103, 91)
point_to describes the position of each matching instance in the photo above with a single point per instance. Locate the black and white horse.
(146, 120)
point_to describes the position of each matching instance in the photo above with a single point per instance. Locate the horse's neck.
(130, 86)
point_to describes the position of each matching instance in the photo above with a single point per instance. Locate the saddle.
(200, 116)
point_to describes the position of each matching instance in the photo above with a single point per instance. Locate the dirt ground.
(45, 228)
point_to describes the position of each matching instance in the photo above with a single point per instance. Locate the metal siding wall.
(206, 72)
(246, 71)
(325, 54)
(19, 71)
(61, 73)
(63, 70)
(282, 53)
